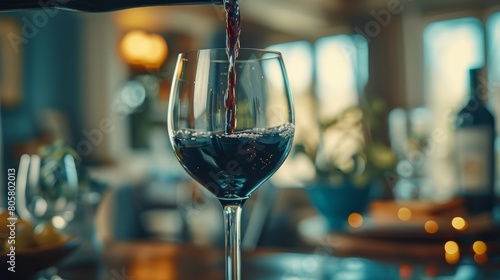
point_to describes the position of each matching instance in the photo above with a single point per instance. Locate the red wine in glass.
(232, 166)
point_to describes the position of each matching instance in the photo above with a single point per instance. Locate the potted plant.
(349, 166)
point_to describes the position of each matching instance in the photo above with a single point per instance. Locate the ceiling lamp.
(140, 49)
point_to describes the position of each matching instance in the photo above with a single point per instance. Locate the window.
(298, 59)
(341, 72)
(451, 48)
(493, 33)
(338, 67)
(299, 64)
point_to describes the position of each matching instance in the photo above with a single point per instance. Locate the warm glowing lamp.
(141, 49)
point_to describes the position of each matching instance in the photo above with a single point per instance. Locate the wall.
(51, 67)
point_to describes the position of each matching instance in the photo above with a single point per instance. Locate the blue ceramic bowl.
(336, 202)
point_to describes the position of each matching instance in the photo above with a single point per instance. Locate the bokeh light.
(479, 247)
(142, 49)
(58, 222)
(452, 252)
(459, 223)
(355, 220)
(405, 271)
(431, 227)
(404, 214)
(451, 247)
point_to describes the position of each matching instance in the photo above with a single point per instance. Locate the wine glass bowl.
(231, 127)
(48, 188)
(230, 165)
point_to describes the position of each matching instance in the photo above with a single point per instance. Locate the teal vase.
(335, 202)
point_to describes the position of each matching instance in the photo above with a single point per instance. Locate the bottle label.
(474, 158)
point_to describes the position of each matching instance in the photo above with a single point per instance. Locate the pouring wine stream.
(232, 212)
(233, 31)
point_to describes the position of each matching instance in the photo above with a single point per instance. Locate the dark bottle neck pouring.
(96, 5)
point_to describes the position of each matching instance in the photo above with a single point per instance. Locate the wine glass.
(231, 134)
(48, 187)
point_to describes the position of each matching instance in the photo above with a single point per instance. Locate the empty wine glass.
(47, 187)
(231, 130)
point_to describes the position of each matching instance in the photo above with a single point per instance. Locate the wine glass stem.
(232, 226)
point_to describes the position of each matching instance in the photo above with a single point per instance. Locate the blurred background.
(377, 84)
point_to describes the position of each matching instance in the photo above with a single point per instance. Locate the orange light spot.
(479, 247)
(404, 214)
(140, 48)
(355, 220)
(431, 227)
(451, 247)
(459, 223)
(452, 252)
(405, 271)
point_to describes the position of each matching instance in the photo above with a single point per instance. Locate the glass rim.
(194, 54)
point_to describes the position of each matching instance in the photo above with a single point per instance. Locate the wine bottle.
(474, 150)
(96, 5)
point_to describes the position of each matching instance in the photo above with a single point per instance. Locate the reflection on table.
(154, 260)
